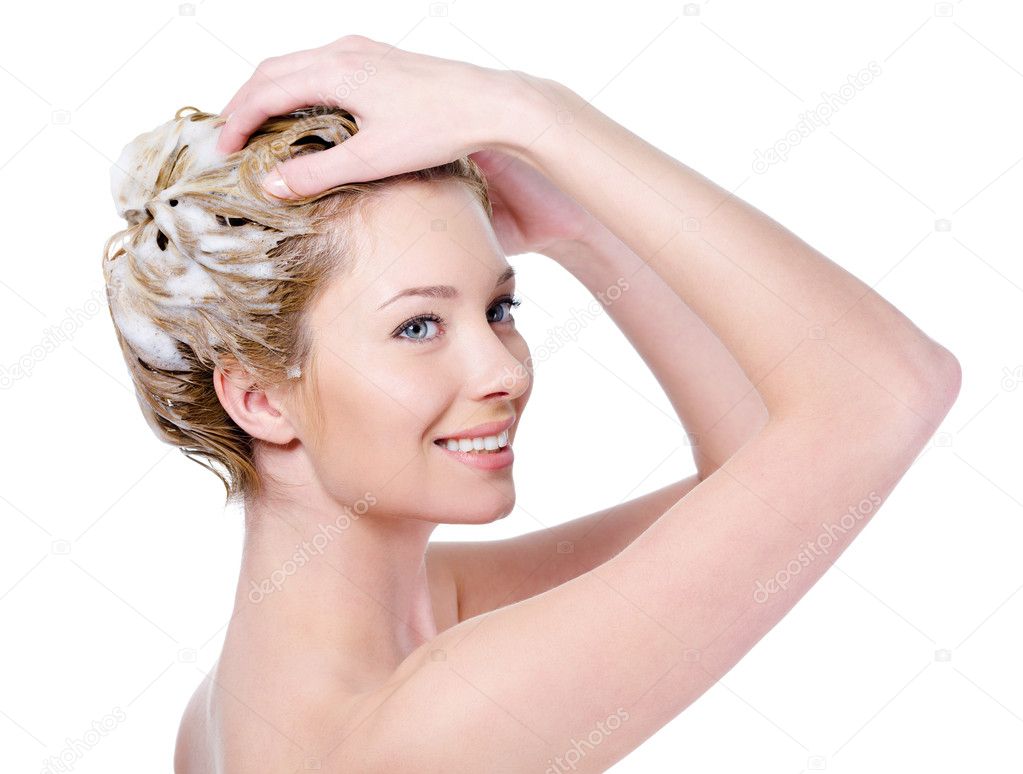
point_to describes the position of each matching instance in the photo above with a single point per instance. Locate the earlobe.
(256, 411)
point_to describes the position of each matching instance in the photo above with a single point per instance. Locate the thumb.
(356, 160)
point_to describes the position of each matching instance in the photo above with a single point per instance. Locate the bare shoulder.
(192, 750)
(264, 723)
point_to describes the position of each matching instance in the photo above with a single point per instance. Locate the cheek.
(381, 404)
(367, 440)
(416, 395)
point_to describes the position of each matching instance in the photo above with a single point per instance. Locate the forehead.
(424, 233)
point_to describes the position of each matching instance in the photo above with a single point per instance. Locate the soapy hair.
(211, 271)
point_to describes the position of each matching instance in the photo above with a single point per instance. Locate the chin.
(500, 509)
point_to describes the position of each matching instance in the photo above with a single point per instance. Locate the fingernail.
(273, 183)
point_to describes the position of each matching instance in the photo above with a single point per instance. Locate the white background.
(118, 563)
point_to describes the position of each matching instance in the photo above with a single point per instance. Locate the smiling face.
(395, 370)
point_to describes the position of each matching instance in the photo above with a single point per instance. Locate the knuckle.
(345, 59)
(267, 64)
(308, 175)
(357, 45)
(242, 108)
(354, 40)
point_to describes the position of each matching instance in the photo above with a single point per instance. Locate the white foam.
(159, 348)
(222, 243)
(133, 175)
(187, 280)
(192, 288)
(201, 139)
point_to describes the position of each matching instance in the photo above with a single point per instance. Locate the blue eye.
(511, 302)
(420, 321)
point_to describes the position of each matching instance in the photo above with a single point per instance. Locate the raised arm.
(781, 308)
(627, 646)
(718, 406)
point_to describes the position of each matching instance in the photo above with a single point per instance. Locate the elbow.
(938, 377)
(953, 375)
(947, 378)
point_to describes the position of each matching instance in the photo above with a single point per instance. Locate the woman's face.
(389, 385)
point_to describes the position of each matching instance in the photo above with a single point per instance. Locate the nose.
(498, 365)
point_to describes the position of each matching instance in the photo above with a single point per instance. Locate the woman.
(355, 644)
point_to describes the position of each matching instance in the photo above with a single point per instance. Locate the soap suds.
(186, 255)
(196, 248)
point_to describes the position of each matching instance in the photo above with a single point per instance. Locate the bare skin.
(806, 392)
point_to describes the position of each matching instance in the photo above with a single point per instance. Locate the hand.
(531, 214)
(413, 111)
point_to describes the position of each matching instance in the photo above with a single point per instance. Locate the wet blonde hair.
(211, 271)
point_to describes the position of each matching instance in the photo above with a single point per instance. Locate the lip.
(492, 461)
(490, 428)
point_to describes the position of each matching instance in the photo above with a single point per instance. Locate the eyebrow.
(443, 291)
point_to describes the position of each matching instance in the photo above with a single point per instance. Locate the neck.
(341, 580)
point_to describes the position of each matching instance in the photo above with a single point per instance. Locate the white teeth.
(481, 443)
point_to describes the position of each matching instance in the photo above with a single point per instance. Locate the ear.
(258, 412)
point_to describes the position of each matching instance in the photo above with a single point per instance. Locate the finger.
(273, 67)
(261, 88)
(276, 97)
(276, 67)
(360, 158)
